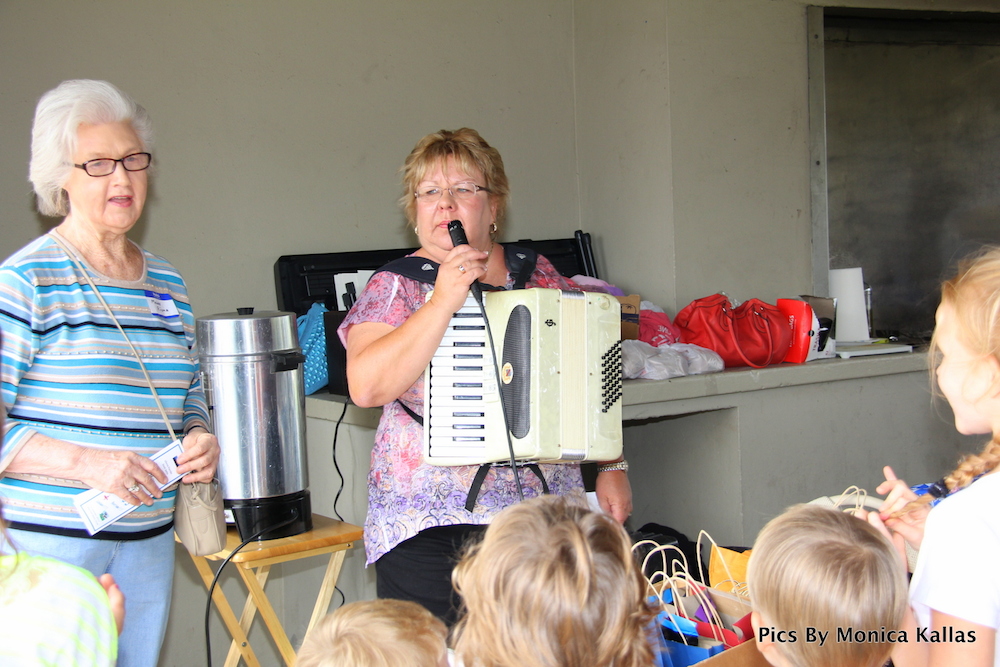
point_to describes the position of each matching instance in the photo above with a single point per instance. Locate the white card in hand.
(99, 509)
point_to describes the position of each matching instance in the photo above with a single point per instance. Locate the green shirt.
(54, 613)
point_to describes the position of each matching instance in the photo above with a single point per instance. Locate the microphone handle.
(458, 237)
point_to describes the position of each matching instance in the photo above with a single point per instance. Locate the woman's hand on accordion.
(614, 493)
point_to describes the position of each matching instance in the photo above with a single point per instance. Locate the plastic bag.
(312, 340)
(655, 326)
(642, 360)
(700, 359)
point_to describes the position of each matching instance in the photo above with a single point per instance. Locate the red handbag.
(752, 334)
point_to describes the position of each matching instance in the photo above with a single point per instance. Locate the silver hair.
(58, 116)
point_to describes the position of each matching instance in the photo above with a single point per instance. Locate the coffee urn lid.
(246, 332)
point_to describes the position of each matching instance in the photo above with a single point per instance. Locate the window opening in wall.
(912, 151)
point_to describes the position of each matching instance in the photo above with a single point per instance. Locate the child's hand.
(116, 598)
(896, 491)
(896, 539)
(909, 526)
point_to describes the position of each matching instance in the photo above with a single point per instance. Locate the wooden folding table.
(254, 562)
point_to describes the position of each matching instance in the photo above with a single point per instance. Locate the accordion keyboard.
(460, 380)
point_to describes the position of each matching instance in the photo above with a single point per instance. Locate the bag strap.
(758, 311)
(142, 366)
(729, 312)
(755, 311)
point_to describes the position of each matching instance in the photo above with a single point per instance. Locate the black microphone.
(458, 237)
(457, 232)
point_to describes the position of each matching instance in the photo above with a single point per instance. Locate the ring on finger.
(133, 489)
(461, 268)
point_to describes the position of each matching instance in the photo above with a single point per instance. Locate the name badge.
(161, 304)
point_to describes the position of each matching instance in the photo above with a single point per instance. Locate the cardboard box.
(630, 316)
(744, 655)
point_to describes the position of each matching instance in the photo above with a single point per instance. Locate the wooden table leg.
(268, 614)
(327, 588)
(246, 618)
(228, 617)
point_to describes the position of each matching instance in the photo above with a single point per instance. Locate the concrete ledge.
(650, 398)
(640, 396)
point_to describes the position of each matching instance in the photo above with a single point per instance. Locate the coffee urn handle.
(286, 361)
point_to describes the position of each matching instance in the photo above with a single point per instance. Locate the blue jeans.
(143, 569)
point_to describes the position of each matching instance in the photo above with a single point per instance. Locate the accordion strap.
(484, 469)
(413, 415)
(520, 263)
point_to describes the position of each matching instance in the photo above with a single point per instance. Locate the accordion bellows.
(559, 355)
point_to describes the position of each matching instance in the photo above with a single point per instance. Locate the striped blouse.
(68, 373)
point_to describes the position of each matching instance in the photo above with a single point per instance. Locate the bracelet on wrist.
(612, 467)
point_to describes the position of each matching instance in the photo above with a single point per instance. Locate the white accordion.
(560, 376)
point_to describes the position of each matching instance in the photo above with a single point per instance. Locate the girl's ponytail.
(974, 465)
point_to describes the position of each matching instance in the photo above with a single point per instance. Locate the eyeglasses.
(105, 166)
(432, 193)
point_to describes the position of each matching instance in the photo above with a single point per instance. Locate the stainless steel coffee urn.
(251, 367)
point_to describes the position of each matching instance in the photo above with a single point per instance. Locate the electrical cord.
(458, 237)
(503, 406)
(215, 579)
(336, 466)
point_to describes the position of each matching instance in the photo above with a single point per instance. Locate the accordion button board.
(558, 397)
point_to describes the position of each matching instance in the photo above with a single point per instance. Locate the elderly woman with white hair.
(99, 366)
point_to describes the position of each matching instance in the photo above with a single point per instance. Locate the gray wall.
(913, 139)
(675, 131)
(281, 125)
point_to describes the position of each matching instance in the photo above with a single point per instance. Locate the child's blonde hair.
(552, 583)
(818, 567)
(376, 633)
(974, 297)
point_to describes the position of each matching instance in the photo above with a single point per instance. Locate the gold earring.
(415, 231)
(493, 228)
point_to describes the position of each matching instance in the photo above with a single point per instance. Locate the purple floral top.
(406, 495)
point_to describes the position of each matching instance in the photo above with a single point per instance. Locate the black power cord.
(503, 406)
(336, 466)
(215, 579)
(458, 237)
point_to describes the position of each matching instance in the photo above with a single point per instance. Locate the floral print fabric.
(406, 495)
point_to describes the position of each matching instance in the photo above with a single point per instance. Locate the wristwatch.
(611, 467)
